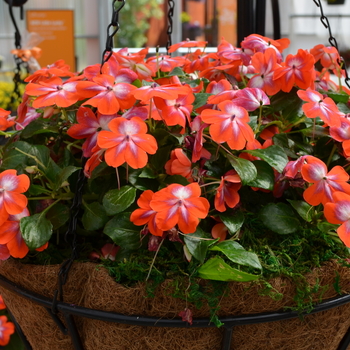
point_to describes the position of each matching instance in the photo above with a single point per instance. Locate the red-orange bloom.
(7, 328)
(230, 125)
(179, 164)
(146, 215)
(5, 123)
(219, 231)
(128, 142)
(2, 303)
(10, 235)
(319, 106)
(107, 95)
(297, 69)
(187, 43)
(12, 201)
(227, 192)
(329, 56)
(342, 134)
(179, 205)
(53, 91)
(339, 213)
(324, 183)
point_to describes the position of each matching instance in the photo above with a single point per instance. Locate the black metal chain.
(107, 53)
(16, 95)
(70, 236)
(171, 6)
(332, 40)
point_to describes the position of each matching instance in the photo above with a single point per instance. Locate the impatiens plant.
(221, 161)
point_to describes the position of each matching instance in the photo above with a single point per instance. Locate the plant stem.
(30, 156)
(154, 259)
(331, 155)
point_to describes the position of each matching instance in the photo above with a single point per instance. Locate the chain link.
(70, 237)
(332, 40)
(107, 53)
(171, 6)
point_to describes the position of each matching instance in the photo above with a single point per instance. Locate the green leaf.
(36, 230)
(94, 216)
(178, 179)
(302, 208)
(273, 155)
(233, 221)
(237, 254)
(265, 178)
(147, 173)
(177, 71)
(216, 269)
(35, 190)
(64, 175)
(39, 126)
(116, 201)
(123, 232)
(201, 99)
(58, 215)
(198, 243)
(245, 169)
(338, 97)
(326, 226)
(279, 218)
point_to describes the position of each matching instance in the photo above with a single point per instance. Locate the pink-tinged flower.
(219, 231)
(165, 63)
(230, 125)
(53, 91)
(128, 142)
(221, 91)
(4, 252)
(198, 151)
(179, 164)
(11, 235)
(186, 316)
(94, 161)
(107, 94)
(168, 92)
(228, 53)
(187, 43)
(258, 43)
(12, 201)
(88, 127)
(141, 112)
(227, 192)
(178, 111)
(338, 212)
(296, 70)
(342, 134)
(179, 205)
(324, 183)
(145, 214)
(109, 251)
(265, 64)
(251, 98)
(6, 329)
(319, 106)
(198, 61)
(293, 167)
(329, 56)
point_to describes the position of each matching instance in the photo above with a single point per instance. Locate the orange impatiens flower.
(339, 213)
(342, 134)
(296, 70)
(179, 205)
(319, 106)
(187, 43)
(324, 183)
(53, 91)
(107, 94)
(6, 329)
(179, 164)
(265, 64)
(219, 231)
(5, 122)
(12, 201)
(128, 142)
(227, 192)
(145, 214)
(230, 125)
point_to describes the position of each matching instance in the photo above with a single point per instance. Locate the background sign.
(56, 27)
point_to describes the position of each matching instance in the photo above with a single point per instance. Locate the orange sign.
(56, 27)
(228, 20)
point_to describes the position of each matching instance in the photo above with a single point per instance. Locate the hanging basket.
(90, 286)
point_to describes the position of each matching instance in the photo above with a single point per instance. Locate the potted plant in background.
(201, 170)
